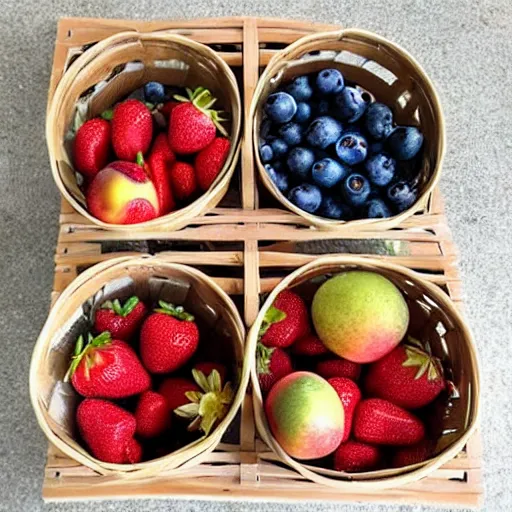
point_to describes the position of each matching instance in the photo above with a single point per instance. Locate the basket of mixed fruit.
(144, 129)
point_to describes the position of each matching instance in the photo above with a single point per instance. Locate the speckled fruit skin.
(360, 315)
(305, 415)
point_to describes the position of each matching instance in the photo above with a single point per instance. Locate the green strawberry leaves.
(421, 357)
(121, 310)
(263, 357)
(176, 311)
(272, 316)
(108, 114)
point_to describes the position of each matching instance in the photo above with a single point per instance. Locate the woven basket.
(432, 312)
(55, 402)
(390, 75)
(168, 58)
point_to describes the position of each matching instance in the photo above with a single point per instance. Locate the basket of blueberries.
(348, 131)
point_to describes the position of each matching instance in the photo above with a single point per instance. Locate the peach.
(122, 193)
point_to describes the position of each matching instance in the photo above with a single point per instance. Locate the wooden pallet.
(249, 243)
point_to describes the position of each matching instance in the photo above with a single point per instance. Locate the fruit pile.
(150, 155)
(142, 382)
(344, 383)
(334, 153)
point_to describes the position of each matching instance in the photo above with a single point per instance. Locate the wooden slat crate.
(248, 243)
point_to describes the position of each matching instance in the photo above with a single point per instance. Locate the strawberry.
(173, 389)
(408, 376)
(378, 421)
(106, 368)
(338, 367)
(207, 368)
(152, 415)
(159, 164)
(272, 364)
(183, 180)
(132, 129)
(285, 321)
(309, 345)
(192, 125)
(350, 396)
(108, 431)
(355, 457)
(210, 160)
(168, 338)
(413, 454)
(91, 146)
(168, 107)
(121, 321)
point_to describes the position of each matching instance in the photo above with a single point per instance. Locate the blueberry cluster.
(335, 153)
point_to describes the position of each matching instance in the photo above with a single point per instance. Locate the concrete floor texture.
(466, 48)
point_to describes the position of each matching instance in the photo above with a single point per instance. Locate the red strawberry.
(173, 389)
(168, 339)
(132, 129)
(413, 454)
(285, 321)
(338, 367)
(355, 457)
(207, 368)
(272, 364)
(408, 376)
(160, 161)
(378, 421)
(309, 345)
(121, 321)
(152, 414)
(108, 431)
(350, 396)
(210, 160)
(192, 125)
(106, 368)
(91, 146)
(183, 180)
(168, 107)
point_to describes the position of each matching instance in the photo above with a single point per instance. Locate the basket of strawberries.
(348, 131)
(139, 367)
(143, 129)
(364, 374)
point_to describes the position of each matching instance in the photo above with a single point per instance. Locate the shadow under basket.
(391, 76)
(151, 279)
(112, 69)
(433, 317)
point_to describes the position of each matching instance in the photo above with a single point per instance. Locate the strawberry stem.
(108, 114)
(121, 310)
(263, 357)
(140, 159)
(175, 311)
(272, 316)
(80, 351)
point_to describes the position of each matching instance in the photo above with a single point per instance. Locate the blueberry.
(278, 177)
(351, 104)
(154, 92)
(377, 209)
(265, 128)
(299, 161)
(352, 148)
(280, 107)
(380, 169)
(405, 142)
(328, 172)
(279, 147)
(332, 208)
(376, 147)
(402, 195)
(278, 165)
(300, 89)
(138, 94)
(378, 121)
(322, 108)
(323, 132)
(291, 133)
(303, 113)
(329, 81)
(266, 153)
(356, 189)
(307, 197)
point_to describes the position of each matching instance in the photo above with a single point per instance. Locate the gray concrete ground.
(465, 47)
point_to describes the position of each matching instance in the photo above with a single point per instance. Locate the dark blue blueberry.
(323, 132)
(402, 195)
(265, 128)
(154, 92)
(300, 89)
(352, 148)
(279, 147)
(278, 177)
(306, 196)
(405, 142)
(329, 81)
(322, 108)
(291, 133)
(280, 107)
(377, 209)
(378, 121)
(266, 153)
(376, 147)
(303, 112)
(328, 172)
(332, 208)
(278, 165)
(356, 189)
(380, 169)
(138, 94)
(351, 104)
(300, 161)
